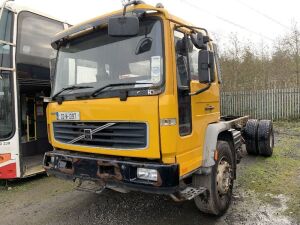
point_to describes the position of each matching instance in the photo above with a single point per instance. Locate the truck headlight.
(147, 174)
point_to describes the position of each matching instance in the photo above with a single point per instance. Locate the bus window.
(5, 26)
(33, 46)
(6, 102)
(6, 35)
(6, 120)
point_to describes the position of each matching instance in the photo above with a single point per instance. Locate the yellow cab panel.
(101, 110)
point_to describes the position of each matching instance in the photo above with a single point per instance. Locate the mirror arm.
(135, 2)
(201, 90)
(193, 28)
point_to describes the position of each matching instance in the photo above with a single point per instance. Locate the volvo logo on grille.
(88, 134)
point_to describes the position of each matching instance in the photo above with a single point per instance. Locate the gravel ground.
(47, 200)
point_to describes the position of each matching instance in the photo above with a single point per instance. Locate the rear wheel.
(251, 137)
(219, 183)
(265, 137)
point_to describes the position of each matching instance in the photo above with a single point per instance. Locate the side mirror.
(199, 40)
(206, 66)
(123, 26)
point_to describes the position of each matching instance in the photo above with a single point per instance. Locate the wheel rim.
(224, 177)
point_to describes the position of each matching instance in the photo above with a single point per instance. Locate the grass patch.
(279, 174)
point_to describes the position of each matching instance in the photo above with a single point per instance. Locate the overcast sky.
(253, 20)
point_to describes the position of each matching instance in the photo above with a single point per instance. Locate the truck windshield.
(6, 95)
(97, 59)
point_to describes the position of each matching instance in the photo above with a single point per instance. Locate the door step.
(187, 194)
(33, 171)
(33, 165)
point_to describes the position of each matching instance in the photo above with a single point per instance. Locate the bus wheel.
(265, 137)
(251, 137)
(219, 183)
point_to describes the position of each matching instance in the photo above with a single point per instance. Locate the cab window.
(193, 64)
(183, 86)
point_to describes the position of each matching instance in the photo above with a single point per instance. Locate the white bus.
(25, 54)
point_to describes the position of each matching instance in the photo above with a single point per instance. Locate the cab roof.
(103, 19)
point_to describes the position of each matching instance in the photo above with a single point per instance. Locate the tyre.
(265, 138)
(219, 183)
(251, 137)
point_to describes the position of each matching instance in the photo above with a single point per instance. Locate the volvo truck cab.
(135, 105)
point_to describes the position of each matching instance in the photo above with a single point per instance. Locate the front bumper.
(111, 171)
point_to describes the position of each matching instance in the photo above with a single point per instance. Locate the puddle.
(249, 210)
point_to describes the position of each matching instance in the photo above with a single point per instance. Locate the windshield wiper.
(99, 90)
(74, 87)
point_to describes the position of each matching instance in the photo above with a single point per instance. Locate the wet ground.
(259, 198)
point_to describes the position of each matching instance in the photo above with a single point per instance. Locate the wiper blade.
(99, 90)
(74, 87)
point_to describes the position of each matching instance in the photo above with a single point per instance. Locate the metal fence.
(263, 104)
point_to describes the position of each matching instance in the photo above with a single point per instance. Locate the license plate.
(68, 116)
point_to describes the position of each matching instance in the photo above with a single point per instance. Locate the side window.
(218, 65)
(6, 31)
(181, 61)
(6, 100)
(33, 45)
(6, 26)
(6, 93)
(193, 60)
(184, 99)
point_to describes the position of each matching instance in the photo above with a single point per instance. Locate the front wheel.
(219, 183)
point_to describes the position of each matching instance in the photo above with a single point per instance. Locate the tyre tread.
(207, 203)
(265, 129)
(251, 137)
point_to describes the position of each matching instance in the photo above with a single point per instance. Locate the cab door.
(195, 112)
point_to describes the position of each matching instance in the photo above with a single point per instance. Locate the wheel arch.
(210, 142)
(215, 132)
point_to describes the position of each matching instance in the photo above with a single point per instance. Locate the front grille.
(121, 135)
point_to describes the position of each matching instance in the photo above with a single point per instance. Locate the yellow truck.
(135, 106)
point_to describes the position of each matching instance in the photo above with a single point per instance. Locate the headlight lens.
(147, 174)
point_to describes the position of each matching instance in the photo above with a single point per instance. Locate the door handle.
(209, 108)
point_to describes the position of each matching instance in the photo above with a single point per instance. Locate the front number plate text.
(68, 116)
